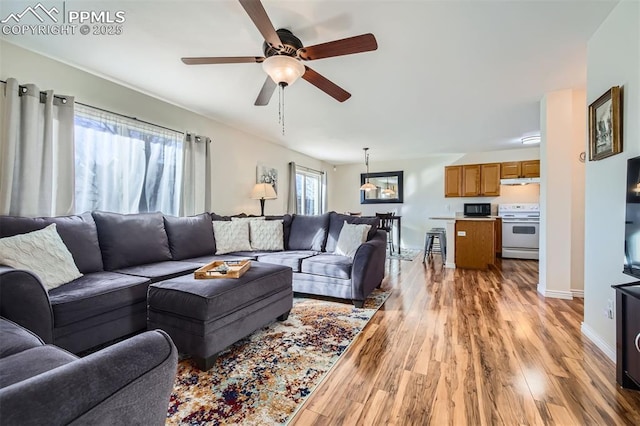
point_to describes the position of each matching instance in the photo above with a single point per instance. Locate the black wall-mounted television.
(632, 220)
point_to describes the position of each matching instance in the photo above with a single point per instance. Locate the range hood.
(519, 181)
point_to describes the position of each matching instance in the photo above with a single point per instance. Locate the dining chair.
(386, 224)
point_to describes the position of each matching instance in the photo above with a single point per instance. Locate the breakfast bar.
(472, 242)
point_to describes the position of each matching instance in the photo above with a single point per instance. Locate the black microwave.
(477, 209)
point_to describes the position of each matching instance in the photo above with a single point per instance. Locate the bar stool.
(429, 241)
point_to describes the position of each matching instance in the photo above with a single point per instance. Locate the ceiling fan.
(284, 54)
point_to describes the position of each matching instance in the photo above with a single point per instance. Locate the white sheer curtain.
(124, 165)
(292, 202)
(36, 151)
(196, 178)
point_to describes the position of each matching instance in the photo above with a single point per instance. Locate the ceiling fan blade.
(259, 16)
(223, 60)
(266, 92)
(346, 46)
(327, 86)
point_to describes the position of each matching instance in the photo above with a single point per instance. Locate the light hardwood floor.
(456, 347)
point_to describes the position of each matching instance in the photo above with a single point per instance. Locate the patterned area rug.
(264, 378)
(407, 254)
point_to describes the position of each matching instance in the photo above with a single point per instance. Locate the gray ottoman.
(205, 316)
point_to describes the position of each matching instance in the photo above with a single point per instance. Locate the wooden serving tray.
(236, 270)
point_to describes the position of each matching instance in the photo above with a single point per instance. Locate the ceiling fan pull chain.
(281, 106)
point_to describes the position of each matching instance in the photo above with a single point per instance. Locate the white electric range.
(520, 230)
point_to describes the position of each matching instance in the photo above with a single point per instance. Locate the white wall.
(235, 153)
(613, 59)
(424, 189)
(562, 120)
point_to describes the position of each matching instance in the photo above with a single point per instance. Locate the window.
(126, 166)
(309, 192)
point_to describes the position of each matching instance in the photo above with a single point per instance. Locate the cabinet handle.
(638, 342)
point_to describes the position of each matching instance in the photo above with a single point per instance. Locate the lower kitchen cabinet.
(475, 243)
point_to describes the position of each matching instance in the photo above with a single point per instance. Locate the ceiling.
(448, 76)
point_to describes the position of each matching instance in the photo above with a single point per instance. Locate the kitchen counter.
(465, 218)
(472, 242)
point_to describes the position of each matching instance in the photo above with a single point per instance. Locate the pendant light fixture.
(367, 186)
(388, 191)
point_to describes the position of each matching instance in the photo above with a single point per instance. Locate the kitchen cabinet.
(531, 168)
(628, 335)
(498, 237)
(472, 180)
(453, 181)
(475, 243)
(520, 169)
(490, 179)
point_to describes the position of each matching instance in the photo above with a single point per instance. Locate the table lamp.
(263, 191)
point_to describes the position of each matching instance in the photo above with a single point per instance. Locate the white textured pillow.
(231, 236)
(351, 236)
(42, 252)
(246, 219)
(267, 235)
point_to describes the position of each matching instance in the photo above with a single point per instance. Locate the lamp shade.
(263, 191)
(283, 69)
(368, 187)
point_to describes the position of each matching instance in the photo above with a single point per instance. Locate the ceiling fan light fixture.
(283, 69)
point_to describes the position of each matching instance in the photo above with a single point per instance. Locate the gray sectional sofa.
(45, 385)
(121, 255)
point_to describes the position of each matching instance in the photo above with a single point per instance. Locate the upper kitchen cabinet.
(531, 168)
(490, 180)
(453, 181)
(472, 180)
(520, 169)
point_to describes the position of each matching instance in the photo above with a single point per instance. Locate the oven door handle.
(523, 221)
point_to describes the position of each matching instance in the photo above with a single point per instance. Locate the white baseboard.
(567, 295)
(578, 293)
(450, 265)
(590, 334)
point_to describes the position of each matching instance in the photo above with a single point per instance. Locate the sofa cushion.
(161, 270)
(190, 236)
(95, 294)
(15, 338)
(292, 259)
(328, 265)
(266, 235)
(231, 236)
(30, 363)
(203, 260)
(308, 232)
(78, 232)
(42, 252)
(335, 226)
(131, 239)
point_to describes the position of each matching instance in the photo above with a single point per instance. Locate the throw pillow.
(351, 236)
(267, 235)
(246, 219)
(42, 252)
(231, 236)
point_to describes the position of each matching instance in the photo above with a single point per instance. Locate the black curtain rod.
(115, 113)
(308, 169)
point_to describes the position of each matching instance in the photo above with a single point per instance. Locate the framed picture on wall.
(605, 125)
(267, 174)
